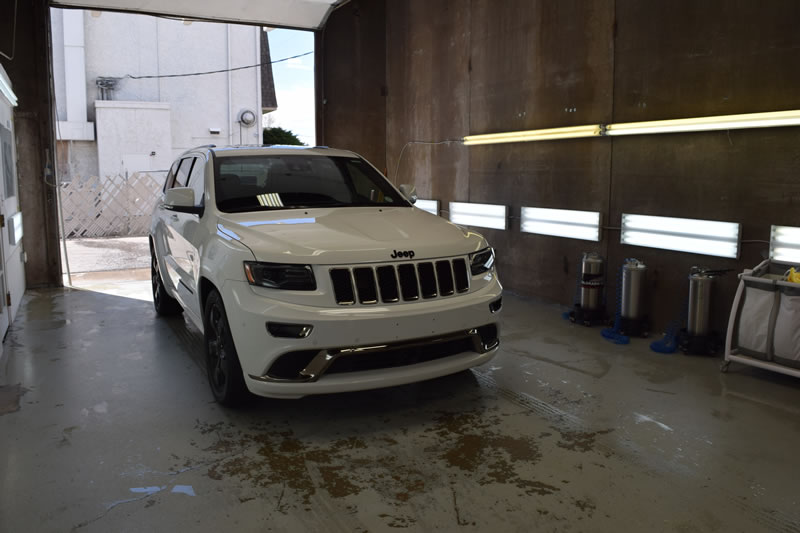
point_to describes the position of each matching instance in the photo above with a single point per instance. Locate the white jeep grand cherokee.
(309, 273)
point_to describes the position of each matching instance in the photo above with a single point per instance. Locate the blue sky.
(294, 83)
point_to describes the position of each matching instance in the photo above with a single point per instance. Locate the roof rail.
(197, 148)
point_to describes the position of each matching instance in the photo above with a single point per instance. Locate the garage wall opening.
(293, 78)
(131, 93)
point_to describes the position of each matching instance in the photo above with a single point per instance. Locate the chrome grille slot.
(365, 285)
(343, 286)
(427, 280)
(408, 282)
(387, 282)
(444, 275)
(460, 274)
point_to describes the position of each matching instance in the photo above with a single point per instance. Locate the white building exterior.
(140, 125)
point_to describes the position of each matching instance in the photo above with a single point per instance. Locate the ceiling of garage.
(301, 14)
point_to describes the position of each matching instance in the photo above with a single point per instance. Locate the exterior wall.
(454, 68)
(351, 86)
(132, 135)
(77, 159)
(122, 45)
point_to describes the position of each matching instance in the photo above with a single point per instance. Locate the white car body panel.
(197, 252)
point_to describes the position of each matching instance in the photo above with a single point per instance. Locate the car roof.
(242, 151)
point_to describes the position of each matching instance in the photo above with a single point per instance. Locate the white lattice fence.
(114, 206)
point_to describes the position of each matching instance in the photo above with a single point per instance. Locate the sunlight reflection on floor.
(133, 283)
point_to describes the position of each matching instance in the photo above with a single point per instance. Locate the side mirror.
(409, 191)
(181, 199)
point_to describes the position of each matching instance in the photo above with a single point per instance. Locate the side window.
(170, 176)
(170, 181)
(197, 180)
(182, 176)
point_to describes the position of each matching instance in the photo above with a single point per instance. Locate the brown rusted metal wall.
(351, 89)
(453, 68)
(33, 123)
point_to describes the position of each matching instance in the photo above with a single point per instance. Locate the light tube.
(431, 206)
(706, 237)
(480, 215)
(568, 223)
(723, 122)
(569, 132)
(771, 119)
(784, 244)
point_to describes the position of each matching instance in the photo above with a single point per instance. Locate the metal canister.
(591, 281)
(699, 316)
(634, 274)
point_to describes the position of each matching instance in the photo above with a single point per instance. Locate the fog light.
(292, 331)
(496, 305)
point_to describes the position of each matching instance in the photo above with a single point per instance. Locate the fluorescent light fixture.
(481, 215)
(570, 132)
(723, 122)
(682, 234)
(561, 223)
(784, 244)
(431, 206)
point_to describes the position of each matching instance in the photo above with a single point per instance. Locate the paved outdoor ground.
(100, 255)
(116, 266)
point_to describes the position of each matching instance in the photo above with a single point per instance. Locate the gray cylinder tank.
(699, 318)
(634, 274)
(591, 281)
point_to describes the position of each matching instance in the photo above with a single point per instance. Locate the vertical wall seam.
(469, 99)
(611, 140)
(388, 97)
(46, 128)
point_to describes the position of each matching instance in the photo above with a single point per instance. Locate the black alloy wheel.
(164, 304)
(222, 362)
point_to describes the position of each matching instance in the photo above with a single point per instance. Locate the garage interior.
(106, 420)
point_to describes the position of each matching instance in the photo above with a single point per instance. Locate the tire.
(222, 362)
(164, 304)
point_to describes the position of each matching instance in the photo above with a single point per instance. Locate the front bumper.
(345, 331)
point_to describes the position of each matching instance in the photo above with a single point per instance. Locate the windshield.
(267, 182)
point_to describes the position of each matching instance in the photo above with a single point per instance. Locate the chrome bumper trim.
(325, 358)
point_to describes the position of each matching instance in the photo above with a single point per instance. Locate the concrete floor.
(116, 431)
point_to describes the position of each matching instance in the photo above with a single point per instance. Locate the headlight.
(278, 276)
(481, 262)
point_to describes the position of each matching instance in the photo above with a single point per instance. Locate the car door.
(168, 229)
(190, 234)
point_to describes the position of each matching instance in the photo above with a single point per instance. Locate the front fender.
(222, 259)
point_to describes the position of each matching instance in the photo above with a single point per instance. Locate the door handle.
(174, 217)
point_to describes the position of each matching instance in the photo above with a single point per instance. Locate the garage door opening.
(131, 93)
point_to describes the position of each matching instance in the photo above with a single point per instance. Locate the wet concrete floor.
(116, 430)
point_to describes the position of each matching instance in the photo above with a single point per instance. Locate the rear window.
(268, 182)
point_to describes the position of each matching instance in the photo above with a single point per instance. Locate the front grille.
(404, 282)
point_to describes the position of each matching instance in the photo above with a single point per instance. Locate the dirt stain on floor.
(469, 445)
(10, 396)
(580, 441)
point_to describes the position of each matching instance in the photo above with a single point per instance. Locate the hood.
(347, 235)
